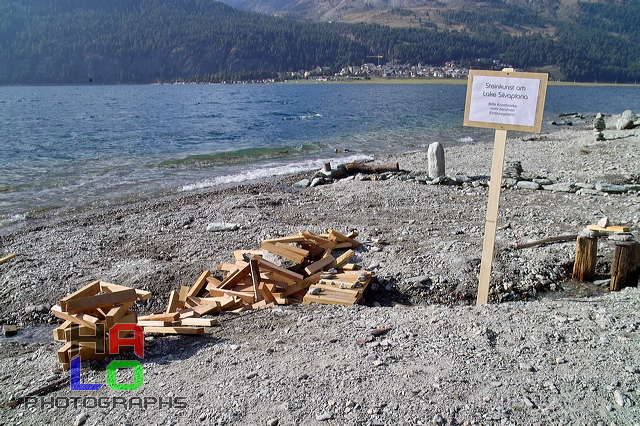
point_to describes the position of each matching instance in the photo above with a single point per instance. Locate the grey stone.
(543, 181)
(525, 184)
(316, 181)
(621, 236)
(559, 187)
(587, 191)
(621, 399)
(633, 188)
(438, 420)
(513, 170)
(302, 183)
(222, 226)
(36, 308)
(273, 422)
(624, 124)
(585, 185)
(614, 189)
(324, 416)
(509, 182)
(528, 402)
(435, 155)
(628, 114)
(81, 419)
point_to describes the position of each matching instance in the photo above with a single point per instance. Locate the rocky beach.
(546, 350)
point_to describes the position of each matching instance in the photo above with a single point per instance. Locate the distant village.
(390, 70)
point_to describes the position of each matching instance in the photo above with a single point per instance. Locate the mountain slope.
(122, 41)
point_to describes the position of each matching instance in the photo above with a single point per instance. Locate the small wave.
(466, 139)
(240, 156)
(270, 170)
(4, 221)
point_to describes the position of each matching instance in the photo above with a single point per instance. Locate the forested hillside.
(145, 41)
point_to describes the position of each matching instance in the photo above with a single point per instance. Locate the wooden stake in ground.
(584, 267)
(491, 220)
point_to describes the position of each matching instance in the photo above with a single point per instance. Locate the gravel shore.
(554, 351)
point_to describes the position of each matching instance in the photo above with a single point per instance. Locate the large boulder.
(626, 120)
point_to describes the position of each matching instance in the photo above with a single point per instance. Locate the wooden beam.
(281, 272)
(115, 314)
(341, 238)
(268, 296)
(608, 228)
(344, 258)
(200, 322)
(174, 330)
(199, 284)
(110, 288)
(80, 318)
(174, 301)
(160, 317)
(99, 301)
(88, 290)
(255, 277)
(284, 252)
(319, 265)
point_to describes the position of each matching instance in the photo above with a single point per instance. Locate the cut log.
(625, 268)
(368, 169)
(584, 267)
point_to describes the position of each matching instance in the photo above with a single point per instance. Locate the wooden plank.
(82, 332)
(175, 330)
(199, 284)
(116, 314)
(58, 332)
(331, 298)
(268, 296)
(200, 322)
(297, 250)
(302, 285)
(247, 297)
(174, 300)
(7, 258)
(321, 241)
(240, 254)
(491, 219)
(281, 272)
(110, 288)
(88, 290)
(608, 228)
(320, 264)
(349, 267)
(283, 252)
(344, 258)
(341, 238)
(99, 301)
(63, 353)
(160, 317)
(205, 309)
(255, 278)
(184, 291)
(82, 319)
(289, 239)
(262, 305)
(235, 277)
(158, 323)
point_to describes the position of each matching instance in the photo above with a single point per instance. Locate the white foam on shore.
(466, 139)
(271, 170)
(12, 219)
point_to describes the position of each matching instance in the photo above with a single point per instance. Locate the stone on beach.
(222, 226)
(435, 155)
(626, 120)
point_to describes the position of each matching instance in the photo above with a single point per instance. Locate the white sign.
(512, 101)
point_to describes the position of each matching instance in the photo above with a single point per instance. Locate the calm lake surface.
(73, 146)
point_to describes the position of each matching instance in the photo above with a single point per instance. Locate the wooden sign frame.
(502, 100)
(505, 100)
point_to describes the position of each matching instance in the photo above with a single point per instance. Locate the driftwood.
(625, 268)
(368, 169)
(558, 239)
(7, 258)
(584, 267)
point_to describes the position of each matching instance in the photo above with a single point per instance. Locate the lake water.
(73, 146)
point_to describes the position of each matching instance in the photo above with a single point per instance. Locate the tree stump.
(625, 268)
(584, 267)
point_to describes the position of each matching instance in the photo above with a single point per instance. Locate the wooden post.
(625, 268)
(584, 267)
(491, 220)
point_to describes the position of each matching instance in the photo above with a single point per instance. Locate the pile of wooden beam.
(317, 271)
(91, 311)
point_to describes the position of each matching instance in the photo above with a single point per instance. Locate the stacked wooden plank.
(88, 314)
(319, 261)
